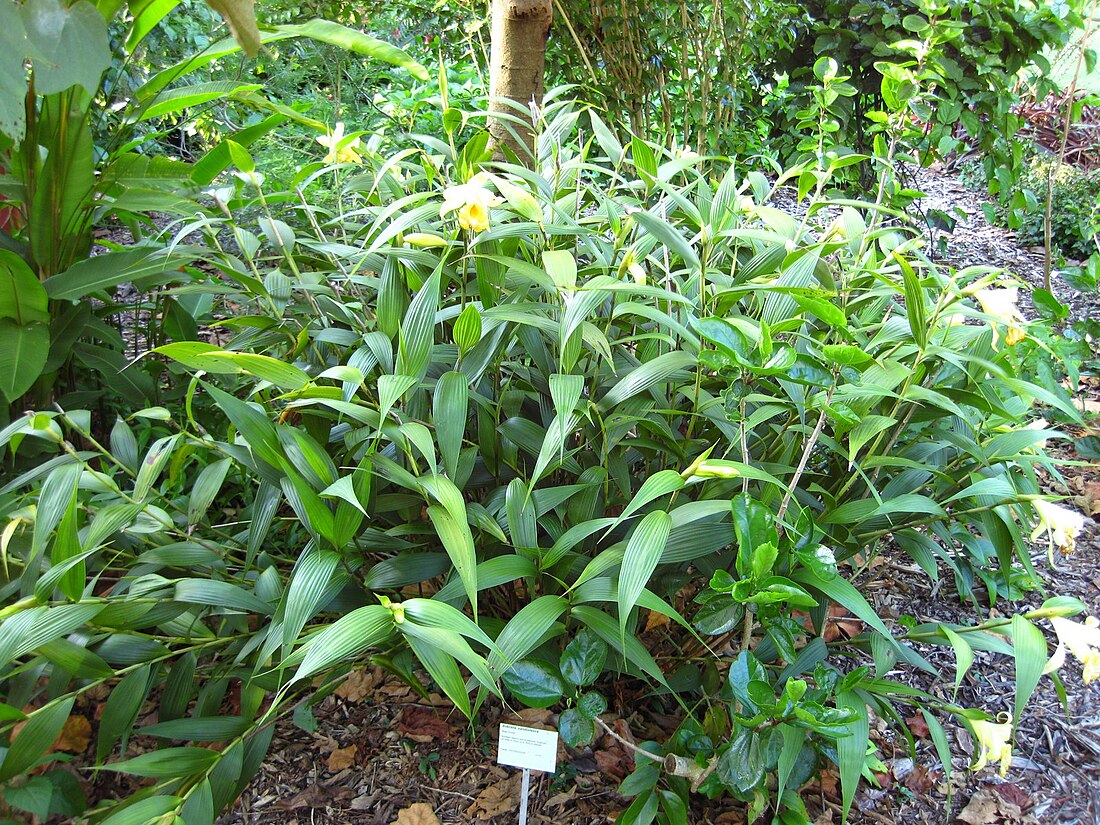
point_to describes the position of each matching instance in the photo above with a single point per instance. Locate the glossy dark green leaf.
(583, 659)
(533, 683)
(575, 728)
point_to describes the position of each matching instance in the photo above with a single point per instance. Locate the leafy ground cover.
(377, 749)
(714, 464)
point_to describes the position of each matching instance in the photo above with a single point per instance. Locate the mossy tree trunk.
(520, 29)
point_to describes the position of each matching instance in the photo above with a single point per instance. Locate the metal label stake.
(530, 749)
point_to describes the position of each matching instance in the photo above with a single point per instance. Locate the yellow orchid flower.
(472, 200)
(1001, 305)
(340, 149)
(995, 742)
(1060, 524)
(1082, 640)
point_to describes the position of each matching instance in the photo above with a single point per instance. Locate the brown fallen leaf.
(74, 736)
(989, 808)
(423, 725)
(1014, 794)
(419, 813)
(920, 779)
(917, 725)
(532, 716)
(315, 797)
(357, 687)
(342, 758)
(499, 798)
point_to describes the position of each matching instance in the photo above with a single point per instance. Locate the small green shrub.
(479, 420)
(1075, 193)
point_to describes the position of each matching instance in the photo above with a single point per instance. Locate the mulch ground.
(381, 754)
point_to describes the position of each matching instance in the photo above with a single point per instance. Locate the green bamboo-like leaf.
(169, 763)
(198, 729)
(199, 355)
(317, 29)
(915, 307)
(664, 232)
(220, 594)
(144, 811)
(664, 368)
(56, 497)
(522, 519)
(35, 738)
(443, 668)
(490, 573)
(449, 412)
(308, 583)
(254, 427)
(178, 687)
(152, 465)
(439, 614)
(100, 272)
(1029, 649)
(418, 328)
(632, 651)
(121, 711)
(348, 635)
(841, 591)
(449, 519)
(852, 749)
(661, 483)
(29, 629)
(643, 552)
(964, 653)
(451, 643)
(525, 631)
(184, 97)
(207, 485)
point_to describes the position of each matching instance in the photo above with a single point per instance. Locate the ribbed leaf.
(220, 594)
(169, 763)
(1029, 648)
(308, 582)
(525, 631)
(663, 368)
(207, 485)
(449, 410)
(449, 520)
(417, 330)
(852, 749)
(348, 635)
(643, 551)
(35, 738)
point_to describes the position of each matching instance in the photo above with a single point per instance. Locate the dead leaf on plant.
(419, 813)
(357, 687)
(655, 621)
(342, 758)
(423, 725)
(497, 799)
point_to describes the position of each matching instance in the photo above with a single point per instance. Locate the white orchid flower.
(1001, 304)
(1060, 524)
(340, 149)
(472, 200)
(1082, 640)
(994, 742)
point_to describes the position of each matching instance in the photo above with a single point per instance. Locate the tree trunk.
(520, 29)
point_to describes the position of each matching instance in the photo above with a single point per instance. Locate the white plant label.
(528, 748)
